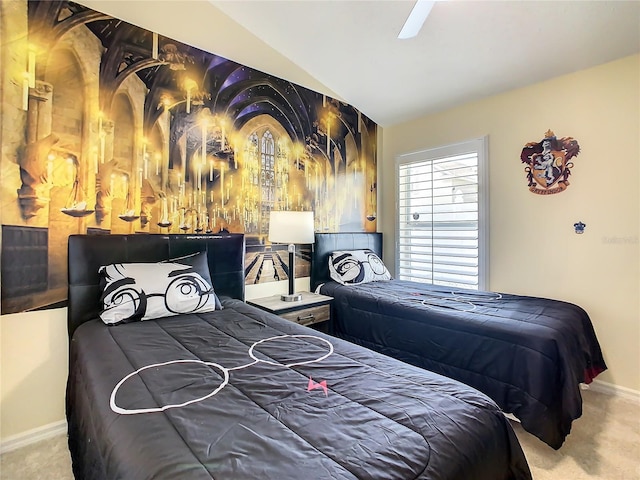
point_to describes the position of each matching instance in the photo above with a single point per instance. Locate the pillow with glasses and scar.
(353, 267)
(142, 291)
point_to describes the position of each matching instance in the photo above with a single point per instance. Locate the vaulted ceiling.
(217, 83)
(466, 50)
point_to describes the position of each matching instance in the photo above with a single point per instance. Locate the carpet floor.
(604, 444)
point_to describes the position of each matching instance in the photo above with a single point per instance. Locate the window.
(258, 179)
(267, 185)
(267, 156)
(442, 221)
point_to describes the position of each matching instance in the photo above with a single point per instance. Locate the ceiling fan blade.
(416, 19)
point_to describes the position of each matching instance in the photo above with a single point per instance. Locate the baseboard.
(32, 436)
(611, 389)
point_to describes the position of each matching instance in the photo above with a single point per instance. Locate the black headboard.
(225, 254)
(325, 243)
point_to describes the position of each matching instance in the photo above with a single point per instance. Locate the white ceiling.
(465, 51)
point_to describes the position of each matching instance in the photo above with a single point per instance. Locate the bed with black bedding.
(528, 354)
(234, 392)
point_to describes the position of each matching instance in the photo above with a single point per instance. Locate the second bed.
(529, 354)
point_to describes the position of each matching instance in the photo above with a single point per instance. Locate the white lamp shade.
(291, 227)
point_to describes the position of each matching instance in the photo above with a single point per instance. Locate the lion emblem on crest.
(548, 166)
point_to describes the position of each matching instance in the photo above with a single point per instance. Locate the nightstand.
(313, 309)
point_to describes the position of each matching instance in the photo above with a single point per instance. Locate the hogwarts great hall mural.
(109, 128)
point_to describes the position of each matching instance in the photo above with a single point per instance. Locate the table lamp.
(291, 227)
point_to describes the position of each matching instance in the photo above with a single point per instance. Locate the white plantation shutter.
(442, 215)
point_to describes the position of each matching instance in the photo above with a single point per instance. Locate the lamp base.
(292, 297)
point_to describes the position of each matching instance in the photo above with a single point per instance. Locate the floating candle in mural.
(102, 135)
(221, 182)
(50, 158)
(180, 190)
(25, 92)
(164, 215)
(189, 86)
(154, 50)
(70, 169)
(203, 152)
(183, 224)
(31, 67)
(328, 135)
(94, 155)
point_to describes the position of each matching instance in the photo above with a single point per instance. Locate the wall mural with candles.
(108, 128)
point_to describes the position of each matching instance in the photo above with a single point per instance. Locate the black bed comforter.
(277, 401)
(528, 354)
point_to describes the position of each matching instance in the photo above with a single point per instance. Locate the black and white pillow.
(353, 267)
(144, 291)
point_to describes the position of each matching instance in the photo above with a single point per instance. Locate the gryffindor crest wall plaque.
(548, 166)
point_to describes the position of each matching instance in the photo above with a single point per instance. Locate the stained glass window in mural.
(252, 158)
(267, 160)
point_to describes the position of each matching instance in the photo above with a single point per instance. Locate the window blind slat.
(439, 218)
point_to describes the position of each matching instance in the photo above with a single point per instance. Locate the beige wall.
(533, 247)
(33, 362)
